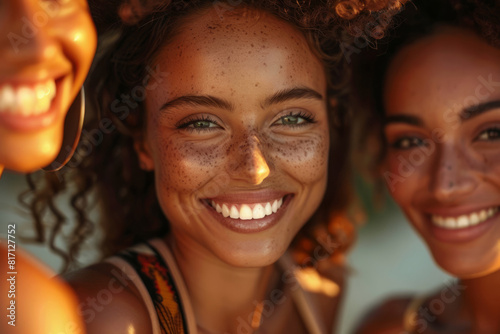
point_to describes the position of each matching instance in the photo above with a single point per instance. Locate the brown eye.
(407, 143)
(489, 134)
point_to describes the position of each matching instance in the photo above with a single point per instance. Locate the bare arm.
(109, 303)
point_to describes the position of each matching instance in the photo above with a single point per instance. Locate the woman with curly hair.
(46, 49)
(435, 95)
(220, 165)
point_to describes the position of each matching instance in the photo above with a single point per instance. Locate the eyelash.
(413, 142)
(309, 119)
(493, 133)
(188, 123)
(495, 130)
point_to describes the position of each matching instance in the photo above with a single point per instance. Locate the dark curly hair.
(105, 169)
(421, 19)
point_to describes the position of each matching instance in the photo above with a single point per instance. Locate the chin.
(30, 160)
(253, 255)
(465, 268)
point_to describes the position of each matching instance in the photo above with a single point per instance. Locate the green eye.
(202, 124)
(295, 119)
(199, 124)
(292, 120)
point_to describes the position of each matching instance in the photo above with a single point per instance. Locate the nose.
(27, 38)
(248, 161)
(453, 175)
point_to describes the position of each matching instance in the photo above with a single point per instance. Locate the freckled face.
(239, 121)
(442, 102)
(47, 48)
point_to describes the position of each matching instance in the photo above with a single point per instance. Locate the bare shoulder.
(326, 284)
(41, 303)
(109, 301)
(385, 318)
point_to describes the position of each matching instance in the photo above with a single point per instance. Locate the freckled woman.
(438, 103)
(228, 164)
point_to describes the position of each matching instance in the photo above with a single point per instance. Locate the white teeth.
(258, 212)
(27, 100)
(275, 206)
(450, 222)
(7, 98)
(246, 212)
(482, 215)
(235, 214)
(268, 209)
(225, 211)
(464, 220)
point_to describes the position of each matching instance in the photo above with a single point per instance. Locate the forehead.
(448, 68)
(241, 47)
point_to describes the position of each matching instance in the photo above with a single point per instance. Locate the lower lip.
(250, 225)
(464, 234)
(35, 122)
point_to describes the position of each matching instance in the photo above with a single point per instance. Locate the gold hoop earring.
(73, 125)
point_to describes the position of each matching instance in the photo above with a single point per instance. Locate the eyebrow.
(200, 101)
(407, 119)
(478, 109)
(292, 94)
(215, 102)
(466, 114)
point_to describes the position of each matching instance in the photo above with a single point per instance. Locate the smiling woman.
(438, 106)
(47, 48)
(228, 169)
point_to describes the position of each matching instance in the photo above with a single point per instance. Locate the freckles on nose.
(247, 160)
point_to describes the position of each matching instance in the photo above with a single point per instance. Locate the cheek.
(187, 167)
(304, 158)
(403, 173)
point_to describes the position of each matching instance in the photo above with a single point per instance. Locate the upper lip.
(251, 197)
(36, 74)
(458, 211)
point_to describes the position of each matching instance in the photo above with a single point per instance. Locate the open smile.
(464, 221)
(27, 107)
(462, 227)
(247, 211)
(248, 217)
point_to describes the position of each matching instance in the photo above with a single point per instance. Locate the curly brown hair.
(105, 167)
(421, 19)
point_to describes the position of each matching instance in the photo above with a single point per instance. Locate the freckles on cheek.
(307, 154)
(188, 166)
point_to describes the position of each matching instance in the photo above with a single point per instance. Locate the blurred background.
(388, 258)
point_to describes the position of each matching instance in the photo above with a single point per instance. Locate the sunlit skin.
(41, 304)
(41, 41)
(239, 117)
(442, 104)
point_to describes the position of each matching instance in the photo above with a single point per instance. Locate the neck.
(482, 296)
(224, 298)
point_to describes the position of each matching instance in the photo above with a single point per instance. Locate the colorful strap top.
(152, 268)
